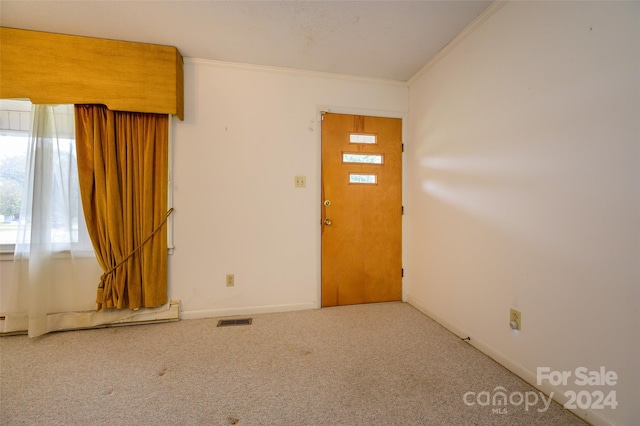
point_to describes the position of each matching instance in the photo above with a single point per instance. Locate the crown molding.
(493, 8)
(292, 71)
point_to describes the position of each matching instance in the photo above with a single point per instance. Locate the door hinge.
(402, 273)
(402, 210)
(402, 147)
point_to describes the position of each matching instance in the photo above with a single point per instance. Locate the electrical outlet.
(301, 182)
(515, 319)
(230, 280)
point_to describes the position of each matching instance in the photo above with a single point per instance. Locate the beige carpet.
(379, 364)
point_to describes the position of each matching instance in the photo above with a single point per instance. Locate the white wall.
(524, 190)
(248, 131)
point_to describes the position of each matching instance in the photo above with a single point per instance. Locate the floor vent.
(241, 321)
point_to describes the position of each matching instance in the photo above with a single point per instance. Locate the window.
(363, 138)
(14, 135)
(364, 179)
(51, 164)
(362, 158)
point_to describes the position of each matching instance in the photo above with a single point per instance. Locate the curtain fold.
(123, 177)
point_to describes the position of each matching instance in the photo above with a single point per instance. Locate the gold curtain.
(123, 173)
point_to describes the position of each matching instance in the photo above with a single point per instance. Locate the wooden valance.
(64, 69)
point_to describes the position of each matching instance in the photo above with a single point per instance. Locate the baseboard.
(516, 368)
(67, 321)
(250, 310)
(151, 316)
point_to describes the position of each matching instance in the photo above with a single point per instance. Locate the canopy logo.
(499, 400)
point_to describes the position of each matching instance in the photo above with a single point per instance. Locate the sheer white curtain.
(55, 269)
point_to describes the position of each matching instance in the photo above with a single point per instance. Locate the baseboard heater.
(90, 319)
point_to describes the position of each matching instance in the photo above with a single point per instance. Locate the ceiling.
(379, 39)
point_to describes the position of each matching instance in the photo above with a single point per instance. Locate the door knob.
(327, 222)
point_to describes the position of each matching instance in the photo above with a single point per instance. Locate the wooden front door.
(361, 209)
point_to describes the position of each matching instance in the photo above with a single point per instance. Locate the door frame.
(373, 113)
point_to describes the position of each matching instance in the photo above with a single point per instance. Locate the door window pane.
(362, 178)
(362, 138)
(362, 158)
